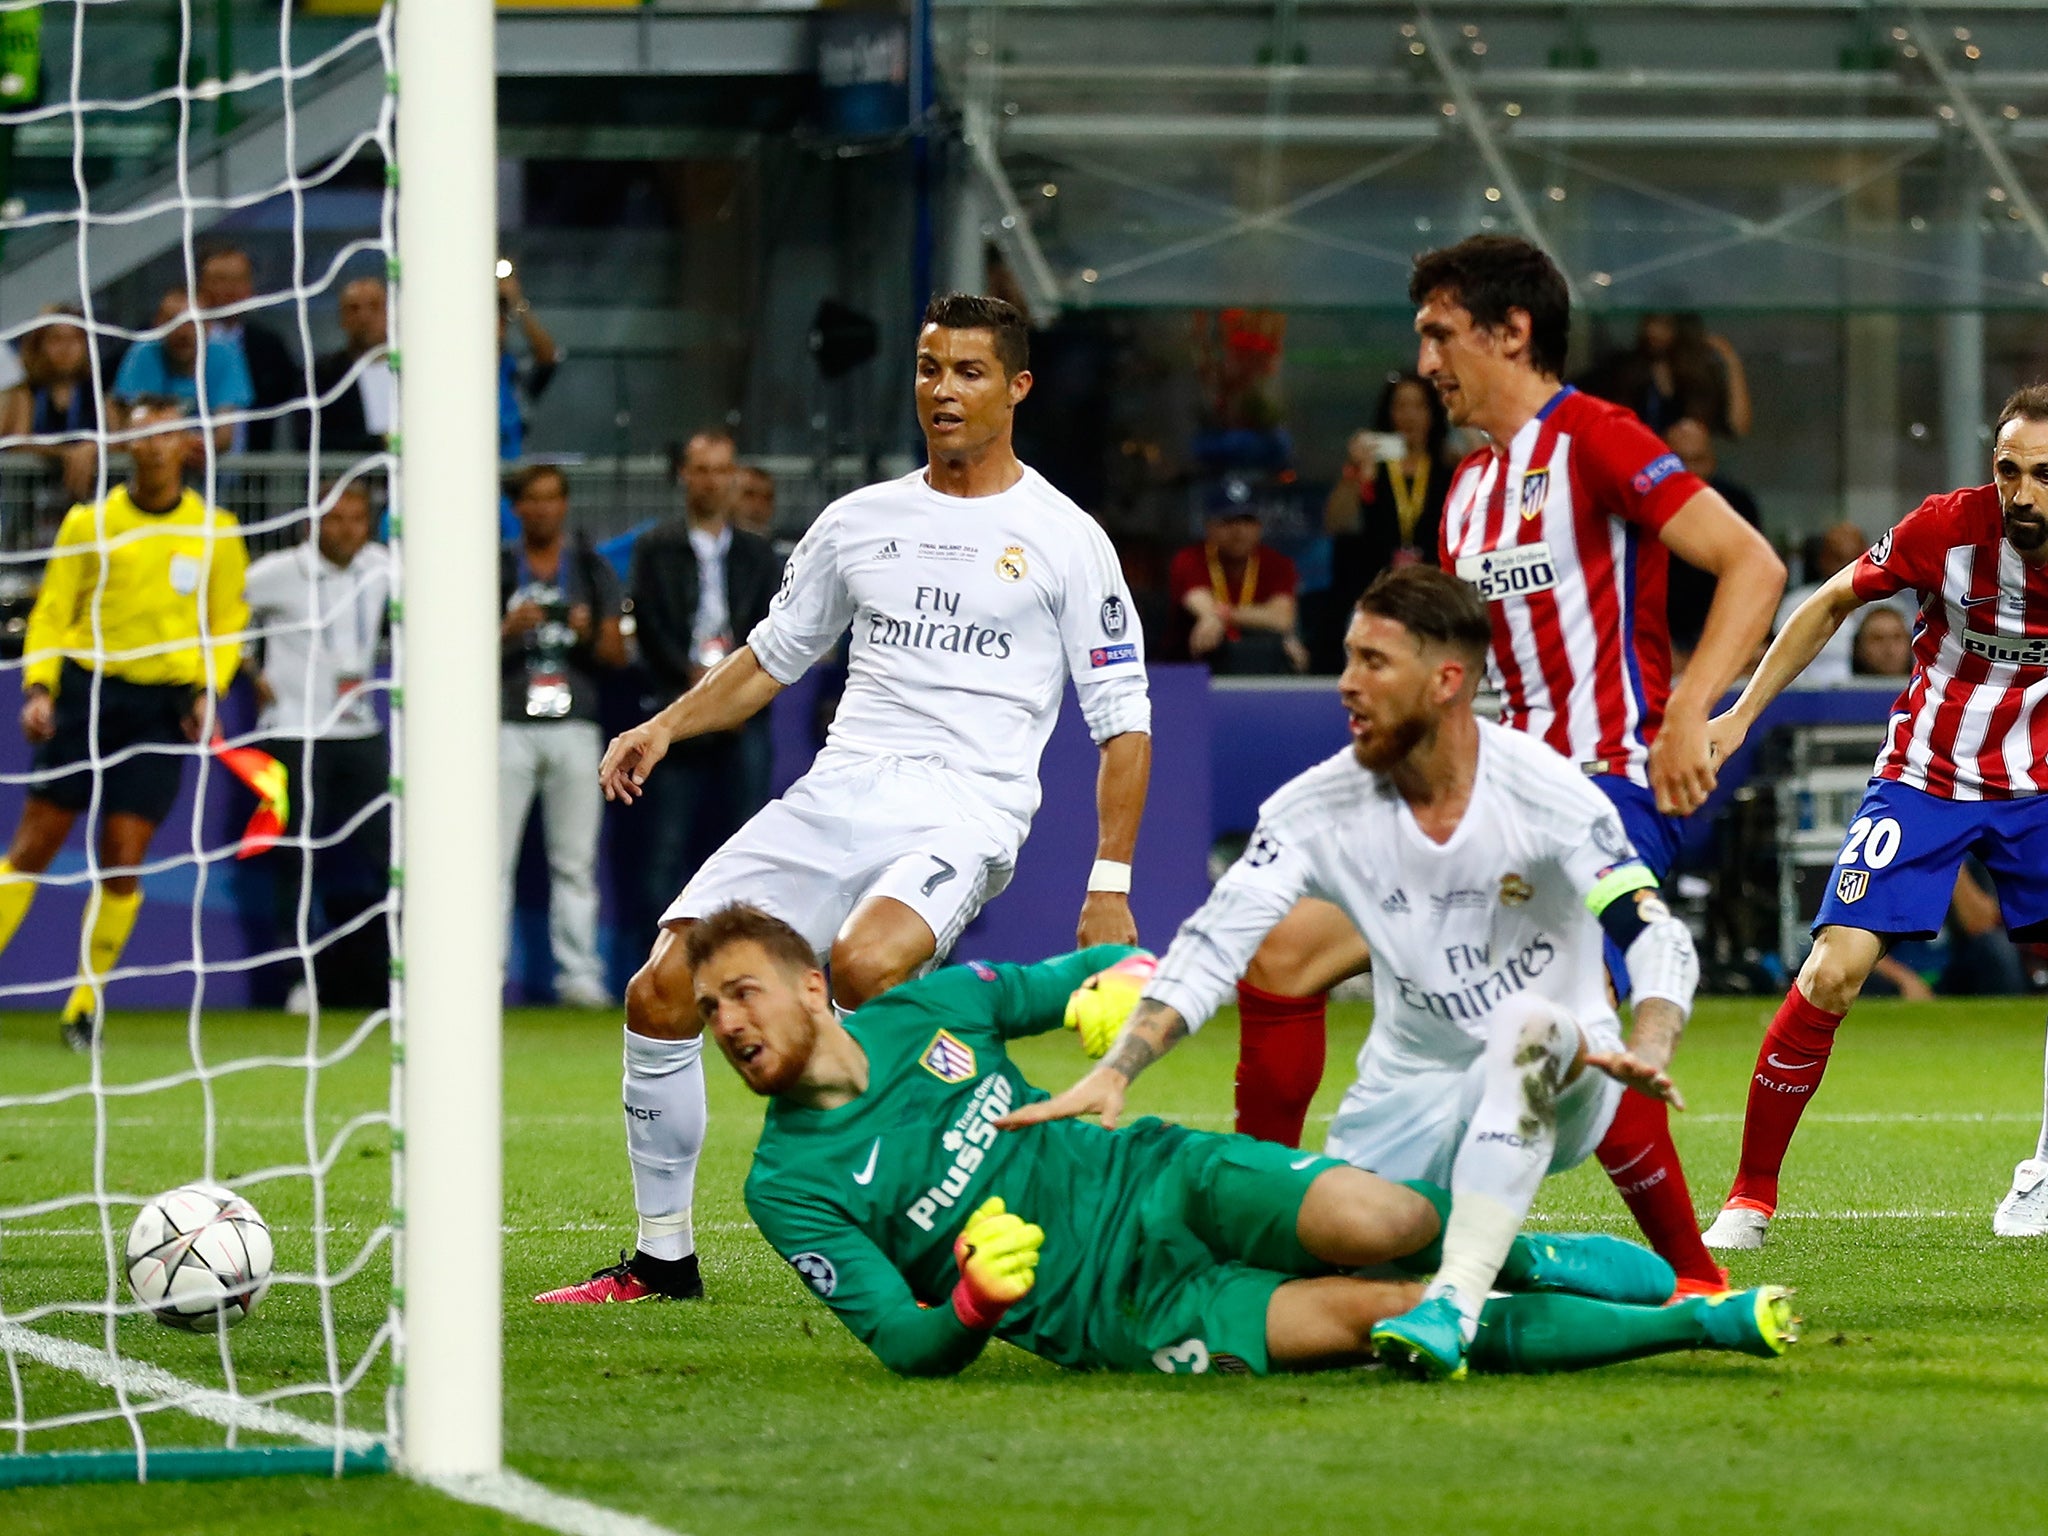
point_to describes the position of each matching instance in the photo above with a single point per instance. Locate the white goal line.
(507, 1492)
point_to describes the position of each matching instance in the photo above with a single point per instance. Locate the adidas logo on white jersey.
(1398, 902)
(888, 551)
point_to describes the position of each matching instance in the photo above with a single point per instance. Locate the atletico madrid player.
(1962, 773)
(892, 1178)
(1564, 522)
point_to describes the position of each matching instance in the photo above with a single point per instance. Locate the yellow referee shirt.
(152, 576)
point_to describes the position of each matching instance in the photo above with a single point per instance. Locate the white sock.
(665, 1121)
(1506, 1151)
(2041, 1146)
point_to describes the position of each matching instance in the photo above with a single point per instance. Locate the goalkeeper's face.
(763, 1013)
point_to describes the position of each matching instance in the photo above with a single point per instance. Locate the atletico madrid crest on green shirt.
(948, 1059)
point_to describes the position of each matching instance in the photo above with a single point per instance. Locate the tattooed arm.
(1153, 1030)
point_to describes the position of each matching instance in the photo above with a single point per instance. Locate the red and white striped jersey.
(1972, 723)
(1559, 534)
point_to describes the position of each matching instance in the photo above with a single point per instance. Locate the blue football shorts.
(1896, 872)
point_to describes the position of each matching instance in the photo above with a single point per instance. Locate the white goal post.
(447, 994)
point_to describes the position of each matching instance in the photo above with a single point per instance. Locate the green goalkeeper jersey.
(865, 1200)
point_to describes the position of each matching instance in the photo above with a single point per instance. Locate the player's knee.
(660, 1004)
(861, 971)
(1278, 965)
(1834, 974)
(1305, 954)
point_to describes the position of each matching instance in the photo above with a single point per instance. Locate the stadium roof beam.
(1332, 79)
(1972, 117)
(1012, 230)
(1848, 8)
(1049, 129)
(1466, 100)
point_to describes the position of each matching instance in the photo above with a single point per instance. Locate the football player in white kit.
(1482, 869)
(974, 590)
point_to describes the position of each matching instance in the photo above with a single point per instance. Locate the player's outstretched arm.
(1033, 999)
(1750, 578)
(1805, 635)
(1645, 1064)
(724, 698)
(1663, 971)
(1120, 786)
(1154, 1029)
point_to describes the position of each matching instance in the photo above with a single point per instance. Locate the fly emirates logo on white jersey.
(1476, 982)
(937, 624)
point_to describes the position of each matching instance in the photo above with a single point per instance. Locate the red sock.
(1280, 1048)
(1789, 1065)
(1639, 1157)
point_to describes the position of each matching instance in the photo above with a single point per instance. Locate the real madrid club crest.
(1010, 563)
(1535, 492)
(1514, 890)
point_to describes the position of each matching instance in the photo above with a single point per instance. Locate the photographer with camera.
(561, 624)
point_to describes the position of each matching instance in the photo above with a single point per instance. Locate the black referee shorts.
(142, 746)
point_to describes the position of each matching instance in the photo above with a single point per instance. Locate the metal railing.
(268, 493)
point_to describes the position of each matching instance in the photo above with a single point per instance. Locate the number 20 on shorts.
(1877, 841)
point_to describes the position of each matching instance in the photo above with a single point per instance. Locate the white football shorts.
(855, 828)
(1409, 1124)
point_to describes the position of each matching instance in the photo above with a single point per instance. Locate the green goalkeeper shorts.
(1214, 1238)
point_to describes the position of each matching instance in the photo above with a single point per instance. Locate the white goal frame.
(446, 998)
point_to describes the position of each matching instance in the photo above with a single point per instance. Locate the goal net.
(199, 246)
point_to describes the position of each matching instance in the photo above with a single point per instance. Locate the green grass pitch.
(1915, 1404)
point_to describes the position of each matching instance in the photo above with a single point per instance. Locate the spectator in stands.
(1883, 646)
(227, 281)
(561, 625)
(55, 397)
(1234, 594)
(1677, 369)
(1834, 548)
(700, 585)
(316, 614)
(356, 416)
(517, 384)
(753, 505)
(173, 364)
(1387, 506)
(1689, 591)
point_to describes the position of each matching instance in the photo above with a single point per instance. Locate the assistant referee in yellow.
(140, 619)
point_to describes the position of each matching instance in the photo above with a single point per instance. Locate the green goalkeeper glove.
(1099, 1007)
(998, 1258)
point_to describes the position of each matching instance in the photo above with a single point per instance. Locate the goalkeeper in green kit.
(883, 1178)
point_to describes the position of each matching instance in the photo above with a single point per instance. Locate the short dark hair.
(980, 312)
(527, 476)
(1434, 606)
(331, 491)
(678, 453)
(2027, 404)
(739, 923)
(215, 250)
(1492, 274)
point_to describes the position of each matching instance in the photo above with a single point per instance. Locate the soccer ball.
(199, 1257)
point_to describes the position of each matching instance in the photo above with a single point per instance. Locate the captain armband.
(1656, 946)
